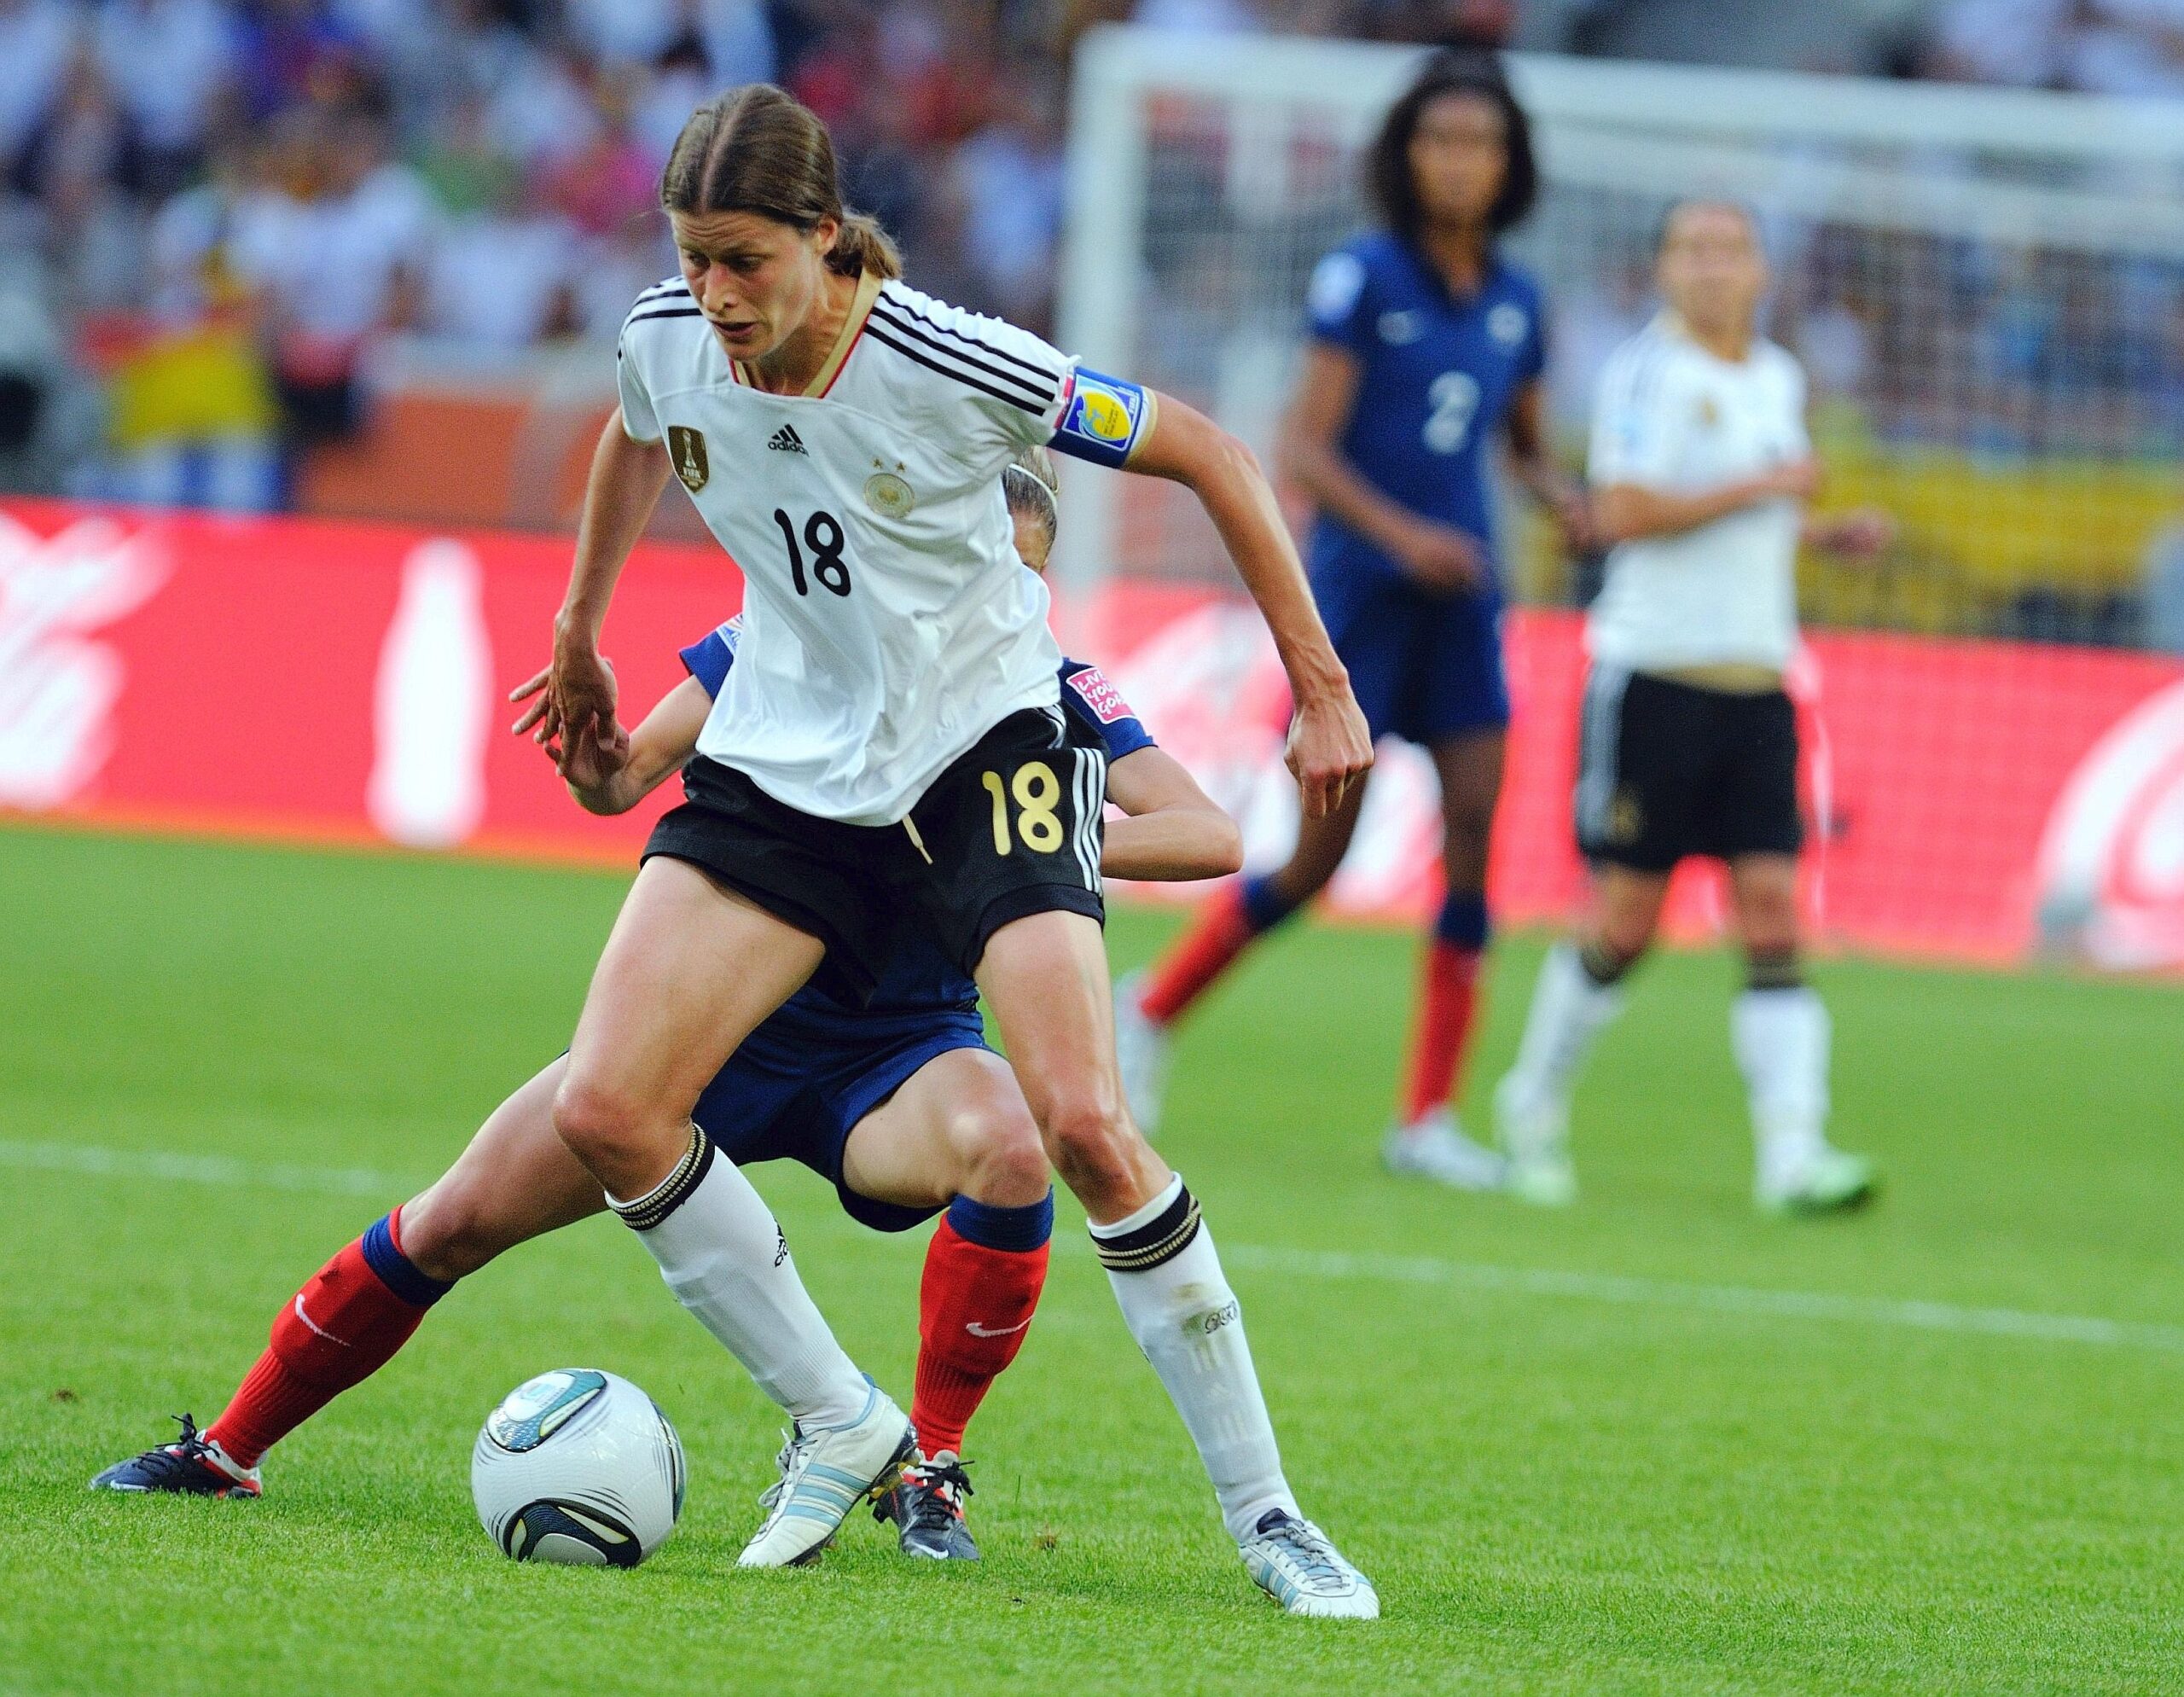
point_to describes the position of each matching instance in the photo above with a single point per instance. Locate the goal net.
(1987, 290)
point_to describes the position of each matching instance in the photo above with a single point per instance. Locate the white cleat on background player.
(1435, 1147)
(825, 1473)
(1297, 1564)
(1141, 1050)
(1828, 1180)
(1531, 1122)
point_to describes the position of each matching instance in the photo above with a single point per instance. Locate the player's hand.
(581, 696)
(1329, 749)
(1572, 512)
(1861, 534)
(1797, 480)
(590, 764)
(533, 690)
(1441, 557)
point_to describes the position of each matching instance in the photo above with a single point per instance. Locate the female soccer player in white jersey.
(899, 1103)
(1425, 361)
(1700, 466)
(888, 749)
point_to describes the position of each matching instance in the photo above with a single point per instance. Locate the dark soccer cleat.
(926, 1505)
(192, 1467)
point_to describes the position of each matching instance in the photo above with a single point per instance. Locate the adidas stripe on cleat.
(786, 441)
(193, 1466)
(1297, 1564)
(825, 1473)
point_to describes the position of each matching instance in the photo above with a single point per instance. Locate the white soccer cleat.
(1434, 1147)
(1297, 1564)
(1828, 1181)
(825, 1473)
(1141, 1047)
(1531, 1122)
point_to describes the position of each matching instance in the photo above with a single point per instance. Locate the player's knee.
(1093, 1144)
(1608, 955)
(1008, 1167)
(597, 1120)
(999, 1159)
(448, 1233)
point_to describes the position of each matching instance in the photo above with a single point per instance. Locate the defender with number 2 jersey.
(1436, 375)
(889, 623)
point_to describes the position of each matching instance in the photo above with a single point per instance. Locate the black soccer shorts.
(1011, 829)
(1667, 770)
(828, 880)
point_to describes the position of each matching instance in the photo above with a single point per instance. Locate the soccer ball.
(577, 1465)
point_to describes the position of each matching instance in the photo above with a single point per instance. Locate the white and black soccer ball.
(577, 1465)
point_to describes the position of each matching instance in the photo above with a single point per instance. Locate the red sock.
(337, 1331)
(1447, 998)
(1221, 932)
(973, 1309)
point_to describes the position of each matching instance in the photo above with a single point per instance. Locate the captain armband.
(1105, 419)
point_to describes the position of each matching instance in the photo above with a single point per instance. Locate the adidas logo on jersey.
(786, 441)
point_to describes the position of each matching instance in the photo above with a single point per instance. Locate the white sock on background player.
(727, 1260)
(1780, 1039)
(1176, 1301)
(1569, 1010)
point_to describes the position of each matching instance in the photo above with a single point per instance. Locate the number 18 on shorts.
(1013, 829)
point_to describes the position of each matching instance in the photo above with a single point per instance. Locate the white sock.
(727, 1260)
(1780, 1038)
(1568, 1011)
(1176, 1302)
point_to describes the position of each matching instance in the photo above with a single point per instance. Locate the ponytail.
(864, 247)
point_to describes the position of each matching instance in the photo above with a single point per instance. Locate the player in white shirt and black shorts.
(1689, 741)
(888, 753)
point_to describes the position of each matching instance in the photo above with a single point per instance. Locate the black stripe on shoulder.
(662, 312)
(909, 351)
(1022, 387)
(666, 287)
(1051, 375)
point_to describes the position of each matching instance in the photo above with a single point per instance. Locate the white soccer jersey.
(1671, 417)
(888, 623)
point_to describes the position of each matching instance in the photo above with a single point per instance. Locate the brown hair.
(758, 149)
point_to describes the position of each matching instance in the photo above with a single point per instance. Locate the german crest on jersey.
(887, 495)
(686, 448)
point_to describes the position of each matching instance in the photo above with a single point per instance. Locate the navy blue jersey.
(919, 980)
(1436, 375)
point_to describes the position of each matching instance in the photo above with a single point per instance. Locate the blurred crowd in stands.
(211, 210)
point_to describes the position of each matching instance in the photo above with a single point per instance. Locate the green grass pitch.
(1653, 1444)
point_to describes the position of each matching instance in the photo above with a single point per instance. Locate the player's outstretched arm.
(627, 477)
(614, 780)
(1628, 512)
(1328, 744)
(1175, 831)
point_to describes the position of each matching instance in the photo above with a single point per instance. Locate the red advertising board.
(347, 682)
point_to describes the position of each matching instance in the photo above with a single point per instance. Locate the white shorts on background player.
(1673, 418)
(888, 623)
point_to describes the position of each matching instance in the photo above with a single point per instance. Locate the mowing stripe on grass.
(223, 1172)
(100, 1161)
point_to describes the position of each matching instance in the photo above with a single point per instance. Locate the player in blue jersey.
(1426, 351)
(898, 1102)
